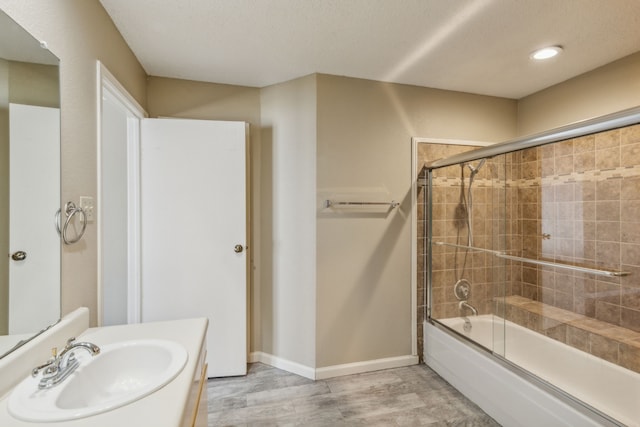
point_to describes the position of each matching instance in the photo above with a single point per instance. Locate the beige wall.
(611, 88)
(364, 263)
(210, 101)
(34, 84)
(79, 32)
(288, 279)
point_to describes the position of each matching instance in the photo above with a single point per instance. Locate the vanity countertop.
(164, 407)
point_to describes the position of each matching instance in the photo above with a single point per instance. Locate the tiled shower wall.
(574, 202)
(578, 202)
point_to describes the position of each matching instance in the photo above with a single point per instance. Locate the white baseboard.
(335, 370)
(284, 364)
(365, 366)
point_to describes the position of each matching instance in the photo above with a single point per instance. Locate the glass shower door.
(466, 222)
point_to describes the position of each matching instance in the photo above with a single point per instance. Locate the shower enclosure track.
(585, 127)
(499, 254)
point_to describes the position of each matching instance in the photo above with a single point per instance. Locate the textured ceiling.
(477, 46)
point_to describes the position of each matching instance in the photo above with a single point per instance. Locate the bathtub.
(515, 400)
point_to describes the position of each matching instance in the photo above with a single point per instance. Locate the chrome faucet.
(464, 304)
(60, 366)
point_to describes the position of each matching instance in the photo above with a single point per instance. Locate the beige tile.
(577, 338)
(631, 280)
(565, 192)
(585, 191)
(630, 319)
(608, 158)
(608, 210)
(564, 148)
(608, 231)
(630, 155)
(564, 300)
(547, 168)
(590, 325)
(585, 306)
(547, 296)
(530, 210)
(564, 165)
(630, 232)
(629, 356)
(630, 134)
(608, 313)
(621, 334)
(533, 321)
(586, 211)
(607, 139)
(530, 291)
(608, 189)
(517, 300)
(548, 151)
(583, 162)
(630, 211)
(630, 254)
(531, 170)
(604, 348)
(530, 154)
(630, 188)
(585, 229)
(608, 292)
(584, 144)
(566, 216)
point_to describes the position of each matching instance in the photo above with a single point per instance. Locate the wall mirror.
(29, 186)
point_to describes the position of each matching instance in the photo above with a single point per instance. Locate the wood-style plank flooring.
(410, 396)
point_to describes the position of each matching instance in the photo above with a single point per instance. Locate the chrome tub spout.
(464, 304)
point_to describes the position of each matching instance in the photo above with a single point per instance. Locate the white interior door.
(194, 231)
(34, 283)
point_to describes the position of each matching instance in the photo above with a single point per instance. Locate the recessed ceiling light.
(546, 53)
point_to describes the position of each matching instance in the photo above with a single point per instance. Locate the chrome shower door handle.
(238, 249)
(19, 256)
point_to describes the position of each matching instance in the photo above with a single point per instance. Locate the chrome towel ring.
(70, 210)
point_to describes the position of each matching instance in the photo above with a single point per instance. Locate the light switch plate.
(88, 206)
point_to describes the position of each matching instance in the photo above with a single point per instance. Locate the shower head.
(474, 170)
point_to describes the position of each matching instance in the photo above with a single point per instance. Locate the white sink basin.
(122, 373)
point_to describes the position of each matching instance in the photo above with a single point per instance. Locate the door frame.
(107, 84)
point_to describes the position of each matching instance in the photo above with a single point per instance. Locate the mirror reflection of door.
(29, 76)
(34, 196)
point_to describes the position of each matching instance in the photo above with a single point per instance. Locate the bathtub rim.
(537, 382)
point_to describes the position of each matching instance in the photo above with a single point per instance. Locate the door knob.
(19, 256)
(238, 248)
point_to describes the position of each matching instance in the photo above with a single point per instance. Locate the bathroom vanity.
(180, 402)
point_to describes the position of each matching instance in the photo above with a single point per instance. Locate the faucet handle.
(70, 341)
(48, 366)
